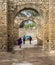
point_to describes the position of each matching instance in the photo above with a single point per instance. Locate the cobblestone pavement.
(35, 56)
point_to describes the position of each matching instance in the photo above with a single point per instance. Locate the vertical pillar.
(46, 31)
(52, 24)
(3, 25)
(10, 25)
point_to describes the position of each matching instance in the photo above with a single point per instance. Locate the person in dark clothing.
(30, 39)
(24, 40)
(19, 42)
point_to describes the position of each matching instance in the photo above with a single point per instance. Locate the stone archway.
(12, 7)
(14, 28)
(19, 19)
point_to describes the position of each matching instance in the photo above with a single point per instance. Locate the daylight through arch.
(28, 12)
(27, 24)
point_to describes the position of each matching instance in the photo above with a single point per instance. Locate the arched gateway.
(27, 15)
(19, 13)
(27, 21)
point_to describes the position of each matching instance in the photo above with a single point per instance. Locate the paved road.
(33, 56)
(27, 45)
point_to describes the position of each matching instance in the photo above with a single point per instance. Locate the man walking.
(30, 39)
(24, 39)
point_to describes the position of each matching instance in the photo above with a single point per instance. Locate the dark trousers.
(23, 42)
(30, 42)
(19, 46)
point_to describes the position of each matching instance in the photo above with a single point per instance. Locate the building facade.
(9, 22)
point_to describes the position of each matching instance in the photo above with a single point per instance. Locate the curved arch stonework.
(34, 6)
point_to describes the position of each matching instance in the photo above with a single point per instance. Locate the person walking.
(24, 39)
(20, 42)
(30, 39)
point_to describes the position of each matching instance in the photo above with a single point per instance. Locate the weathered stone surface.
(3, 25)
(8, 27)
(52, 24)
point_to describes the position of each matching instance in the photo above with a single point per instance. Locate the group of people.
(20, 41)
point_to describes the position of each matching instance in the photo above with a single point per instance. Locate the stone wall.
(3, 25)
(8, 10)
(52, 24)
(14, 6)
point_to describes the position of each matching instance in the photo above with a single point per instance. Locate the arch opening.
(28, 26)
(27, 12)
